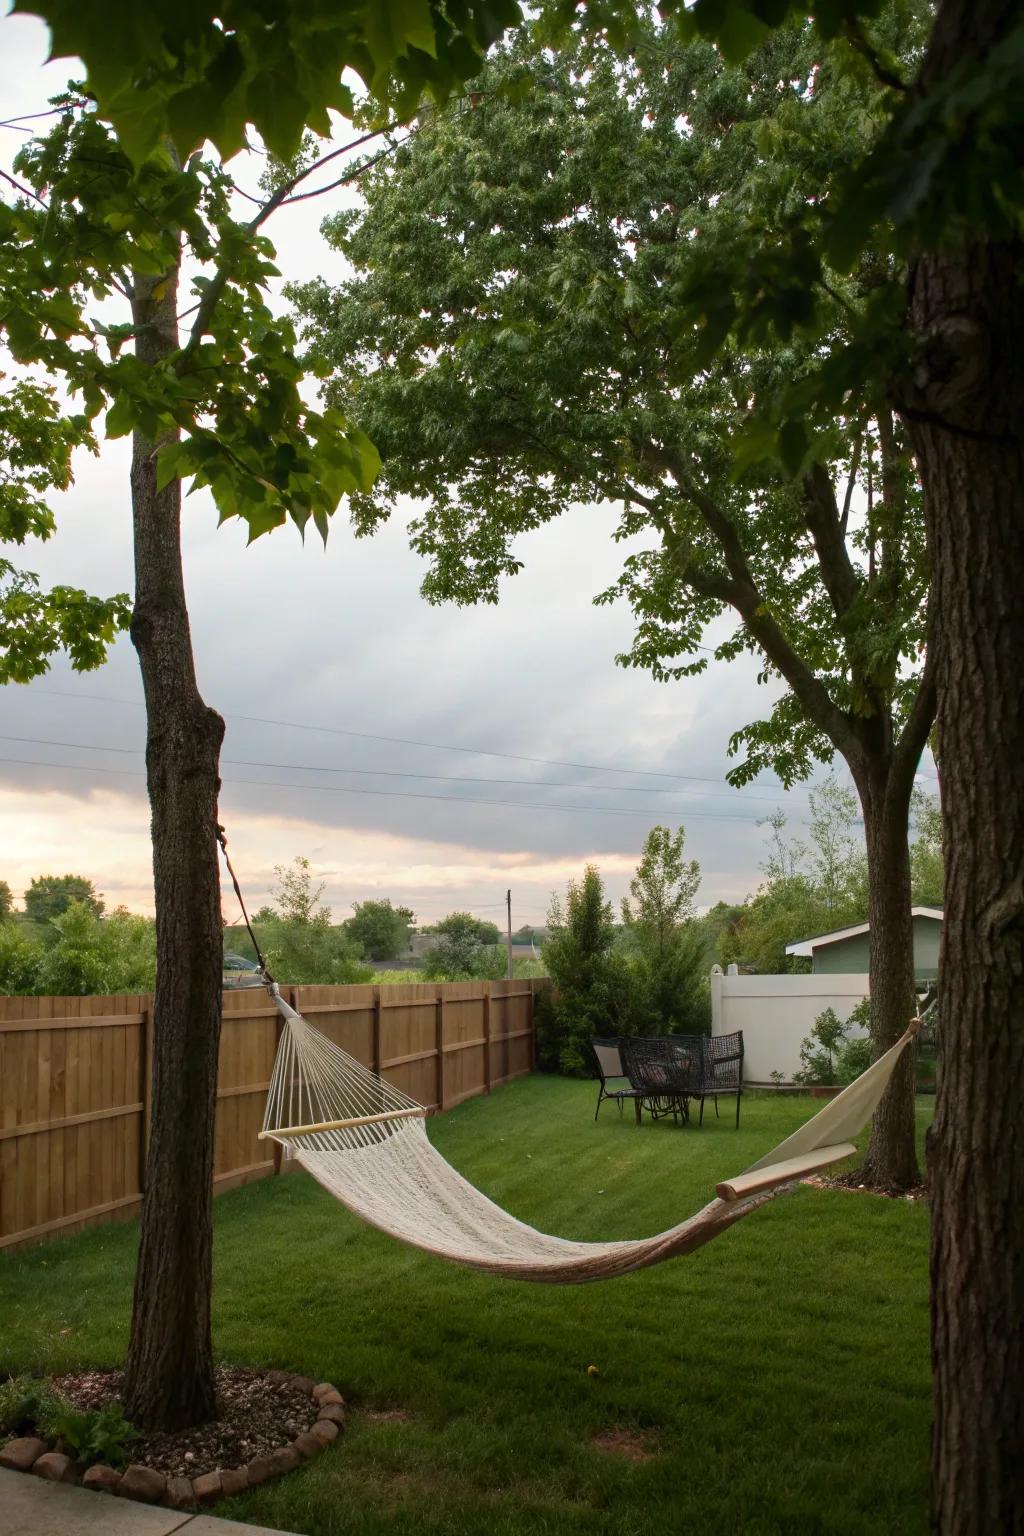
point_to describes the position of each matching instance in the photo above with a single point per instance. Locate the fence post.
(440, 1049)
(487, 1039)
(145, 1091)
(375, 1047)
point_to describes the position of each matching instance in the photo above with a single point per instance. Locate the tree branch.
(740, 591)
(214, 289)
(914, 737)
(827, 527)
(850, 485)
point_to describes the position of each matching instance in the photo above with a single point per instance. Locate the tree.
(382, 930)
(50, 895)
(461, 948)
(940, 186)
(108, 207)
(298, 939)
(591, 993)
(510, 338)
(6, 901)
(666, 944)
(808, 888)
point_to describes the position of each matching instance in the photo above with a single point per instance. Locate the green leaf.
(793, 445)
(120, 418)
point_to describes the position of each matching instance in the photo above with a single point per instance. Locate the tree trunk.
(967, 309)
(891, 1159)
(169, 1375)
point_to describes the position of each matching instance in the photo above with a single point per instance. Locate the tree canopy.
(48, 896)
(380, 928)
(464, 947)
(514, 341)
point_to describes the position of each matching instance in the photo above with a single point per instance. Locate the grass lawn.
(777, 1381)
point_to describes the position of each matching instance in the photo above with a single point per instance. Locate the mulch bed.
(268, 1424)
(255, 1415)
(849, 1182)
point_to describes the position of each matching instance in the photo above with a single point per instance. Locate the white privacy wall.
(776, 1013)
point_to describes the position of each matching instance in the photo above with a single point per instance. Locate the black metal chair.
(608, 1068)
(665, 1071)
(721, 1070)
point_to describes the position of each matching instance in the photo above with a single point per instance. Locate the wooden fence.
(74, 1083)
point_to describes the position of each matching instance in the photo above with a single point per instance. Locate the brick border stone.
(30, 1454)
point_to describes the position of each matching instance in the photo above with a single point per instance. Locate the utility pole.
(508, 940)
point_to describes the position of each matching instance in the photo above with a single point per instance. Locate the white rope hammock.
(365, 1141)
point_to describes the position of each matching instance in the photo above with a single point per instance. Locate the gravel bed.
(257, 1413)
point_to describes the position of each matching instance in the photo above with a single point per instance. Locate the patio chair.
(608, 1068)
(666, 1072)
(721, 1070)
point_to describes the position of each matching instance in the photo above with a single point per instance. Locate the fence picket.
(75, 1084)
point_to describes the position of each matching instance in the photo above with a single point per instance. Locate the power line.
(406, 741)
(396, 773)
(387, 794)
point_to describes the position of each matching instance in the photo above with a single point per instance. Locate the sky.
(438, 756)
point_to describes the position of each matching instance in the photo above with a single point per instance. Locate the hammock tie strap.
(260, 957)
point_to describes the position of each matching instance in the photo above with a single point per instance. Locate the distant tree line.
(644, 974)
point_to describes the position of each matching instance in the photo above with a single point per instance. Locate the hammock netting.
(366, 1142)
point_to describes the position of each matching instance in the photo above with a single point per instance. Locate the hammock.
(365, 1141)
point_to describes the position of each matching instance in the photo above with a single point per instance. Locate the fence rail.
(75, 1071)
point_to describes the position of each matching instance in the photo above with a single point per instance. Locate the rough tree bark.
(967, 309)
(169, 1375)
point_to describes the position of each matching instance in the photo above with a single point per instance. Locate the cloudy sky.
(437, 756)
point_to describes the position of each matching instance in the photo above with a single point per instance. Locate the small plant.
(828, 1055)
(25, 1403)
(92, 1435)
(28, 1405)
(777, 1077)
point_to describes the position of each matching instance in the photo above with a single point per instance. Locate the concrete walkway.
(29, 1506)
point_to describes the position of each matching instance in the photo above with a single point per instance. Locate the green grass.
(779, 1376)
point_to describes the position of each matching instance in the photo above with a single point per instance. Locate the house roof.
(806, 947)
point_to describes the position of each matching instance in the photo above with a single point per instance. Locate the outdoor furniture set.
(664, 1074)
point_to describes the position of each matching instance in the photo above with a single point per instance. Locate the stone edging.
(148, 1486)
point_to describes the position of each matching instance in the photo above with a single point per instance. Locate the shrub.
(91, 1435)
(467, 949)
(30, 1405)
(26, 1403)
(19, 961)
(828, 1055)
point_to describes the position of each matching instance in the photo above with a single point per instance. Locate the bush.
(26, 1403)
(98, 954)
(467, 949)
(92, 1435)
(19, 961)
(83, 954)
(829, 1056)
(29, 1405)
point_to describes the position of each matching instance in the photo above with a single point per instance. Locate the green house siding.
(847, 956)
(852, 956)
